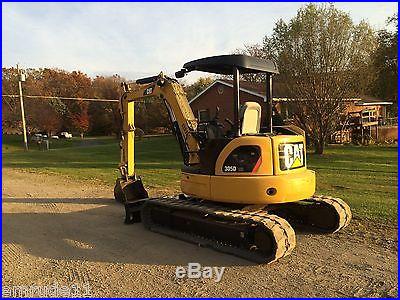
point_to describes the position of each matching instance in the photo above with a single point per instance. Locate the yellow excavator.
(242, 188)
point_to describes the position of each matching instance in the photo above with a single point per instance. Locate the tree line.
(322, 55)
(77, 116)
(323, 58)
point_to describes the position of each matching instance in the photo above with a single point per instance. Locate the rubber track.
(281, 230)
(341, 207)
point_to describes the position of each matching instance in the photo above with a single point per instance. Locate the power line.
(65, 98)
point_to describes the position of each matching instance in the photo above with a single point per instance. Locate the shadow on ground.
(92, 229)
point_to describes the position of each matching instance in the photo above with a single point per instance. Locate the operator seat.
(251, 117)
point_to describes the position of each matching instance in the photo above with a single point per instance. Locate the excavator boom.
(130, 187)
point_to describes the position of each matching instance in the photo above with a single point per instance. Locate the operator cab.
(235, 65)
(247, 117)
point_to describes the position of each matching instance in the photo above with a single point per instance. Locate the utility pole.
(21, 78)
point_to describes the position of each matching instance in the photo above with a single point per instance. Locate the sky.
(141, 39)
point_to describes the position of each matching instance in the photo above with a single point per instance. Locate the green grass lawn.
(158, 160)
(366, 177)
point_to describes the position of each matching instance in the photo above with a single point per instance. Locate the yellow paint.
(196, 185)
(129, 136)
(252, 189)
(297, 163)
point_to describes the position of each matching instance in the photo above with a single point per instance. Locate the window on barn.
(203, 115)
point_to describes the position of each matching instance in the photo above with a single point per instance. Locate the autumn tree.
(49, 122)
(385, 64)
(80, 117)
(11, 120)
(323, 58)
(197, 87)
(152, 116)
(43, 114)
(105, 117)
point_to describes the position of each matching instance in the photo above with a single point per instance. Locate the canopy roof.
(224, 64)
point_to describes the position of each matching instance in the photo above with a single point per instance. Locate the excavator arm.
(129, 187)
(184, 123)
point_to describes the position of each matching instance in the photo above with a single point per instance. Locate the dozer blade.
(255, 236)
(326, 214)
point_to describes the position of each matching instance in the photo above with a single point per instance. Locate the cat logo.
(291, 156)
(148, 91)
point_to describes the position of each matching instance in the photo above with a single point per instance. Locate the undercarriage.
(262, 234)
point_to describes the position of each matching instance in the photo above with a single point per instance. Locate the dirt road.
(58, 230)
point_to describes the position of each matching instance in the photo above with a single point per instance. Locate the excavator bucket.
(129, 190)
(132, 194)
